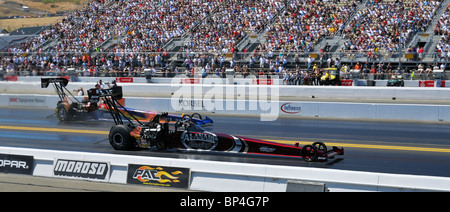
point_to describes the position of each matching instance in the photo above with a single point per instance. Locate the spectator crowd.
(305, 22)
(443, 28)
(124, 37)
(387, 25)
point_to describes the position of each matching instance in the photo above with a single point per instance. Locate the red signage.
(262, 82)
(124, 79)
(11, 78)
(190, 81)
(347, 82)
(426, 83)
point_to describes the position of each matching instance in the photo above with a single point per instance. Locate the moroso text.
(81, 169)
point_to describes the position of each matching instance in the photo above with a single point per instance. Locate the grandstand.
(126, 37)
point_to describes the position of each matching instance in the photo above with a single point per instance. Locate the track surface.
(388, 147)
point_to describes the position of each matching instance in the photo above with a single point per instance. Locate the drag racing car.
(70, 108)
(161, 133)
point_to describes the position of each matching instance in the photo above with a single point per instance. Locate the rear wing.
(60, 87)
(114, 92)
(46, 81)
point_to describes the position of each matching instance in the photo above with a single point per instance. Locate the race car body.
(164, 134)
(69, 107)
(161, 132)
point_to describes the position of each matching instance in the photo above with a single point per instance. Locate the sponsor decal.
(266, 149)
(158, 176)
(17, 164)
(291, 108)
(199, 140)
(81, 169)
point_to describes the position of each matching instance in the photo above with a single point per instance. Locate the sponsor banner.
(262, 81)
(158, 176)
(125, 79)
(290, 108)
(430, 83)
(190, 81)
(17, 164)
(347, 82)
(426, 83)
(10, 78)
(92, 170)
(191, 103)
(27, 101)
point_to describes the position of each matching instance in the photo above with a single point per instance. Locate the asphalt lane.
(388, 147)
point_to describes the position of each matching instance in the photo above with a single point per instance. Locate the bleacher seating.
(124, 37)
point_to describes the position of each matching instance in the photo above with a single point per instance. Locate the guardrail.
(213, 175)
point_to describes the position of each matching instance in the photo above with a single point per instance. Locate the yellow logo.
(146, 174)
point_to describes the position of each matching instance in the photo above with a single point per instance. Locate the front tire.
(120, 138)
(186, 118)
(309, 153)
(320, 146)
(196, 115)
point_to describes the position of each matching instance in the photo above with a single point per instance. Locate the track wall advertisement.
(158, 176)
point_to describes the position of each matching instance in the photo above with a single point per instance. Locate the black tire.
(320, 146)
(309, 153)
(186, 118)
(62, 113)
(120, 138)
(196, 115)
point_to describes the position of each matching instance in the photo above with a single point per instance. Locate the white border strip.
(242, 177)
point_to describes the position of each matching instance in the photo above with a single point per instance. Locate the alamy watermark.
(248, 95)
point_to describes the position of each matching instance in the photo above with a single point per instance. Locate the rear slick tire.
(62, 113)
(120, 138)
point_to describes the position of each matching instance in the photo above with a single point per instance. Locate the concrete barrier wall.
(338, 110)
(367, 111)
(237, 177)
